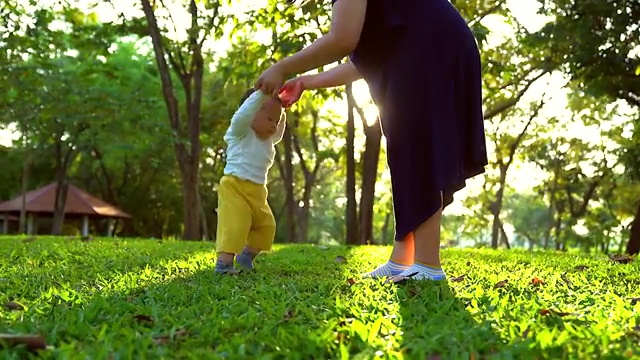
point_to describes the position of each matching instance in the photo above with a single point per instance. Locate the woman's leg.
(403, 251)
(401, 259)
(427, 239)
(426, 264)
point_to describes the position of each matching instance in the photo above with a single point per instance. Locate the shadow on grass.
(436, 322)
(418, 319)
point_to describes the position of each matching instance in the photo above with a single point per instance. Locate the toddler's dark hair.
(246, 95)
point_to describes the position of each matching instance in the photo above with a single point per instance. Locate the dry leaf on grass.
(31, 342)
(12, 305)
(144, 318)
(500, 284)
(537, 281)
(635, 300)
(289, 314)
(545, 312)
(621, 258)
(459, 278)
(566, 280)
(351, 281)
(581, 267)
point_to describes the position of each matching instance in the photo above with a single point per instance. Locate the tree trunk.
(547, 230)
(23, 207)
(503, 235)
(62, 188)
(550, 209)
(192, 84)
(370, 160)
(495, 229)
(303, 211)
(532, 243)
(310, 174)
(604, 244)
(109, 193)
(203, 219)
(352, 210)
(287, 174)
(633, 246)
(558, 231)
(191, 208)
(187, 152)
(504, 168)
(496, 207)
(303, 224)
(385, 229)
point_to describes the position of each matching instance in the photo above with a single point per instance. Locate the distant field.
(143, 299)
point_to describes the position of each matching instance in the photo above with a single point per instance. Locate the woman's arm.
(347, 19)
(342, 74)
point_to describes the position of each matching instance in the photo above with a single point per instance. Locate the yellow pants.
(244, 216)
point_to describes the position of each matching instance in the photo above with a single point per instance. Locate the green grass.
(83, 297)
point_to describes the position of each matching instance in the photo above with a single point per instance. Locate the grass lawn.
(143, 299)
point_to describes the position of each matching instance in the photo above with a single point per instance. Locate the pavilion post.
(110, 226)
(85, 225)
(5, 224)
(30, 224)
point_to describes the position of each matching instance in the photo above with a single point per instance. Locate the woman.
(422, 65)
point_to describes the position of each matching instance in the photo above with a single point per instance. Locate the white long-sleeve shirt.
(249, 157)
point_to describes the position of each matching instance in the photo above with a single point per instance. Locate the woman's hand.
(271, 80)
(291, 91)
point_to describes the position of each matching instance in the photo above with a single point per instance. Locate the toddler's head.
(266, 121)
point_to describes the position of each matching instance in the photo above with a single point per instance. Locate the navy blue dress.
(422, 65)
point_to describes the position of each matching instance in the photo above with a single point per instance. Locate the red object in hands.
(290, 93)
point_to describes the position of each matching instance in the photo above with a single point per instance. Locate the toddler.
(246, 224)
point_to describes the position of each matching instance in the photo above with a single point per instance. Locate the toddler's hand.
(291, 91)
